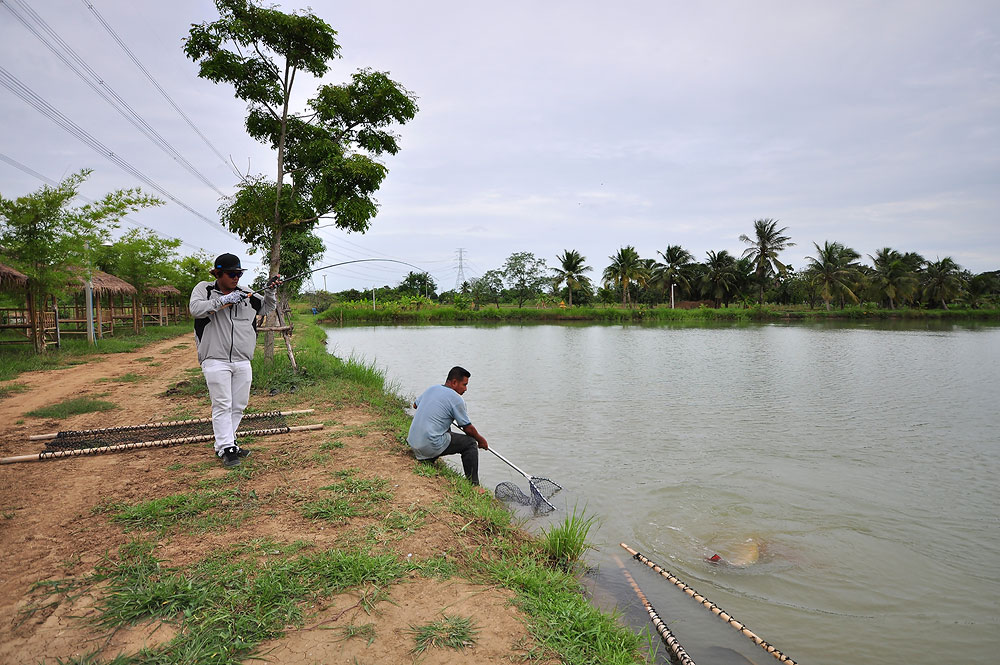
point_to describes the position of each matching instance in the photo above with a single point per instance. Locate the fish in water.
(740, 555)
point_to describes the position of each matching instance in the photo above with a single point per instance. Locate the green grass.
(392, 312)
(231, 601)
(15, 360)
(353, 497)
(559, 615)
(131, 377)
(451, 632)
(164, 512)
(565, 543)
(12, 389)
(364, 632)
(436, 567)
(72, 407)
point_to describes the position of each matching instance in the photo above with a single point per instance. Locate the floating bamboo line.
(715, 609)
(680, 655)
(169, 423)
(162, 443)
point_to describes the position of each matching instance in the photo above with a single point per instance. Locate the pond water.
(860, 461)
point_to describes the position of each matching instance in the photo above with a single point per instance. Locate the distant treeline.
(834, 277)
(408, 312)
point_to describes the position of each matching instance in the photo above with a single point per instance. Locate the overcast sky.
(546, 126)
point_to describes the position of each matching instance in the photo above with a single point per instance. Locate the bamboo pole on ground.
(170, 423)
(163, 443)
(712, 607)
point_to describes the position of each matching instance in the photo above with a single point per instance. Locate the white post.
(671, 295)
(373, 298)
(90, 312)
(89, 298)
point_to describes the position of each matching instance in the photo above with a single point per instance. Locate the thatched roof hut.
(103, 283)
(12, 280)
(165, 290)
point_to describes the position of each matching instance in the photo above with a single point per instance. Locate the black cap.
(227, 262)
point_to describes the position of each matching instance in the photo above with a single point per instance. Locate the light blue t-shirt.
(430, 430)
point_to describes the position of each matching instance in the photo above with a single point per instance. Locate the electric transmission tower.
(460, 278)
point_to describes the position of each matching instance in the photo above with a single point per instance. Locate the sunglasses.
(235, 274)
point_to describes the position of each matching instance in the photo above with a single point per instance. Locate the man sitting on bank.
(430, 432)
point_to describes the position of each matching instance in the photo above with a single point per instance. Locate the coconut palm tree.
(763, 252)
(941, 281)
(571, 271)
(673, 270)
(892, 277)
(721, 276)
(835, 271)
(626, 268)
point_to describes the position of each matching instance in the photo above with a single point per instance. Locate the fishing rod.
(342, 263)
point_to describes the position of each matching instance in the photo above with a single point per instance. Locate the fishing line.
(342, 263)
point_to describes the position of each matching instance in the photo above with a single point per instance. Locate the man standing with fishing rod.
(430, 432)
(225, 326)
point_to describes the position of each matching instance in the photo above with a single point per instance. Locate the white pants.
(229, 387)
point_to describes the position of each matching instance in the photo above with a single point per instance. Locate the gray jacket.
(228, 334)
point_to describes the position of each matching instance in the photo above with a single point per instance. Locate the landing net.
(541, 490)
(114, 436)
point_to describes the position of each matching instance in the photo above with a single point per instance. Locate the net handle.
(510, 464)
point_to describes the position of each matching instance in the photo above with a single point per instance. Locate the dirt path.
(54, 524)
(146, 372)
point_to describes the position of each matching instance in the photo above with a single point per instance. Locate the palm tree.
(892, 278)
(626, 267)
(763, 253)
(571, 272)
(941, 281)
(673, 270)
(720, 276)
(835, 270)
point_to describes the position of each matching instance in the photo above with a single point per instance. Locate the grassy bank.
(341, 514)
(392, 313)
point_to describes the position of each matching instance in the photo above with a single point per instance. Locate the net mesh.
(541, 490)
(116, 436)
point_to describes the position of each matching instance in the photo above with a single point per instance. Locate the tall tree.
(767, 242)
(721, 278)
(329, 148)
(189, 270)
(892, 277)
(571, 272)
(673, 270)
(525, 276)
(51, 242)
(418, 284)
(626, 269)
(835, 271)
(941, 281)
(141, 258)
(488, 288)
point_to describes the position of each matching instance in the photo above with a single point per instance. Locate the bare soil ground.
(52, 526)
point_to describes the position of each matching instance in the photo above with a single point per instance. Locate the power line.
(12, 83)
(159, 88)
(18, 165)
(101, 87)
